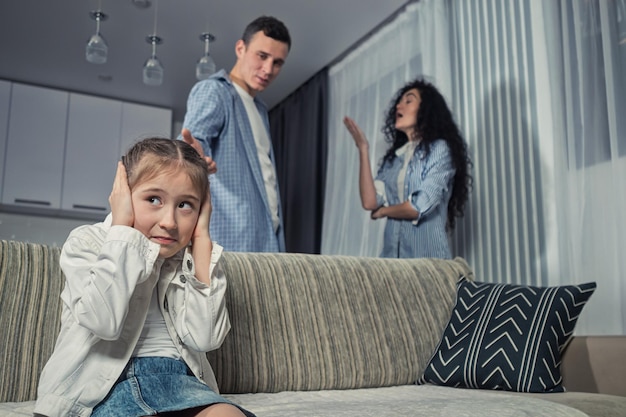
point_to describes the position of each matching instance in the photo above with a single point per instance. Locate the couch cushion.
(410, 400)
(507, 337)
(405, 400)
(311, 322)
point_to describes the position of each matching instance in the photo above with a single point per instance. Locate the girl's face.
(406, 111)
(166, 210)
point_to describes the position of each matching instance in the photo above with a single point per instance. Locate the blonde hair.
(155, 156)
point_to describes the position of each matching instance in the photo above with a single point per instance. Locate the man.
(227, 122)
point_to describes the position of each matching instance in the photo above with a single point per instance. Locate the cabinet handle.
(84, 207)
(34, 202)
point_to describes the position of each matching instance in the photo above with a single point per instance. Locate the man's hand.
(187, 137)
(120, 199)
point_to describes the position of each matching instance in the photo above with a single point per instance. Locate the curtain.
(586, 91)
(501, 234)
(299, 128)
(538, 90)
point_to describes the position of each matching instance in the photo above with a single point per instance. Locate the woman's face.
(406, 112)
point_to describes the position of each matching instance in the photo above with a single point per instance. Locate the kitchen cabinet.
(5, 97)
(35, 147)
(62, 148)
(140, 121)
(92, 152)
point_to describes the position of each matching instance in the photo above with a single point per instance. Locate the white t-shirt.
(263, 146)
(408, 149)
(155, 340)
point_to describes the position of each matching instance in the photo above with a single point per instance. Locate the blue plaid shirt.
(241, 219)
(428, 186)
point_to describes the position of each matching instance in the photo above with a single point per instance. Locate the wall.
(38, 229)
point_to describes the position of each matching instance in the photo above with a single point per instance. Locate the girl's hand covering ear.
(204, 219)
(120, 199)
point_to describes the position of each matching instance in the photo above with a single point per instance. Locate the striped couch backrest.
(314, 322)
(299, 322)
(30, 284)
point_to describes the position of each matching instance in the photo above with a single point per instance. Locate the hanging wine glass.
(152, 69)
(97, 49)
(205, 66)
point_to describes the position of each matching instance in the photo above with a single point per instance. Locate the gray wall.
(45, 230)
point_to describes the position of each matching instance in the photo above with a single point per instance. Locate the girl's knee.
(220, 410)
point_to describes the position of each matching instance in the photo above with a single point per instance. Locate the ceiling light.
(205, 66)
(152, 69)
(97, 50)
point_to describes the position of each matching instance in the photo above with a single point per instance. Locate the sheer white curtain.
(361, 86)
(586, 89)
(538, 89)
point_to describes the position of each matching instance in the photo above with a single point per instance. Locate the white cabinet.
(5, 98)
(61, 150)
(35, 147)
(140, 121)
(92, 152)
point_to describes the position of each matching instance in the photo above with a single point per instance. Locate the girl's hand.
(120, 199)
(357, 134)
(204, 218)
(201, 245)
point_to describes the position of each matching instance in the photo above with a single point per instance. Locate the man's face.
(259, 62)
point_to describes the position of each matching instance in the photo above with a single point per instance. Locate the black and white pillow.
(507, 337)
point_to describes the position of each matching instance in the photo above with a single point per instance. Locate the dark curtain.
(299, 126)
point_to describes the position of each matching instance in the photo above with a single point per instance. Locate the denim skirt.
(152, 385)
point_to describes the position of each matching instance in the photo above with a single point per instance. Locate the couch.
(316, 335)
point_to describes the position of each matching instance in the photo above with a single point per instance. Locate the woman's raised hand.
(357, 134)
(120, 198)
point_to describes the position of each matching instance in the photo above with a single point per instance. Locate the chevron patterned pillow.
(507, 337)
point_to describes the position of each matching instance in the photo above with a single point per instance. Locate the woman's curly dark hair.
(434, 121)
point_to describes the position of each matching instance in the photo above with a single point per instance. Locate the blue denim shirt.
(241, 218)
(428, 186)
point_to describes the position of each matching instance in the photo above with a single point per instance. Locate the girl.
(144, 298)
(423, 182)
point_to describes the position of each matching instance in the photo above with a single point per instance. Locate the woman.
(423, 182)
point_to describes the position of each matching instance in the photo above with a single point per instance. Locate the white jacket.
(110, 273)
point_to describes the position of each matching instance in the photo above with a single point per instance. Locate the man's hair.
(270, 26)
